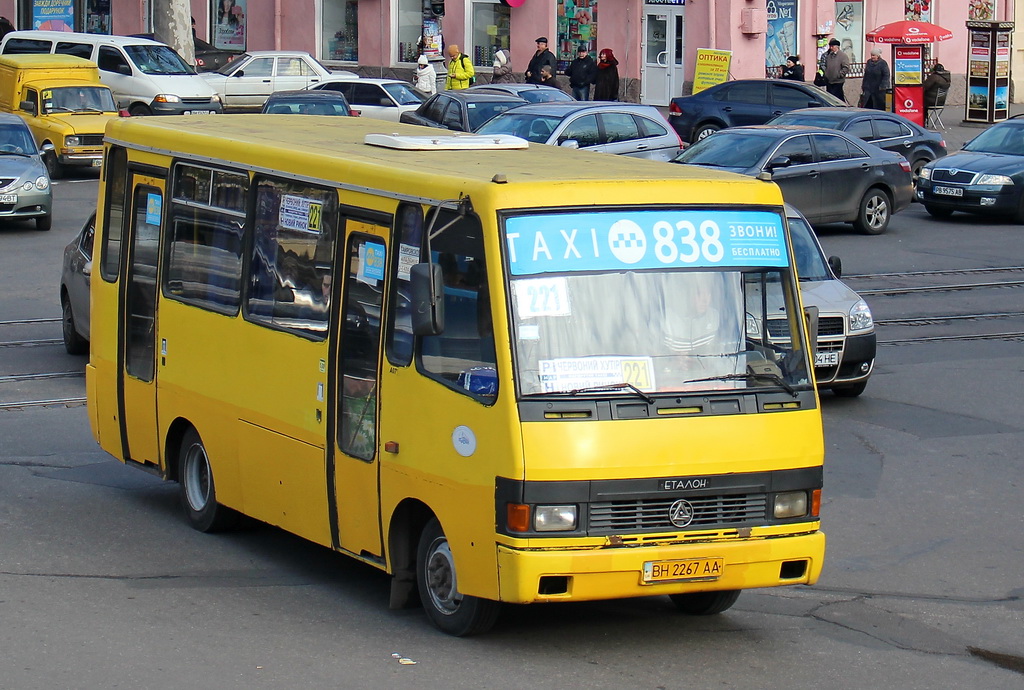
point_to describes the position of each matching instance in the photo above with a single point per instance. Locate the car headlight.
(215, 98)
(791, 504)
(860, 316)
(28, 185)
(554, 518)
(166, 98)
(42, 182)
(995, 180)
(72, 141)
(924, 174)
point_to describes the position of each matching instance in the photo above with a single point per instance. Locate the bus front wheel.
(198, 492)
(705, 603)
(447, 608)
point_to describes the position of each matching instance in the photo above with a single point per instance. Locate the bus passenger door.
(138, 333)
(356, 454)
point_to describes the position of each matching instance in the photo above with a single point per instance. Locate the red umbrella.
(909, 32)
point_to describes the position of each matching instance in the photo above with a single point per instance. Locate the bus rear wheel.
(705, 603)
(447, 608)
(198, 491)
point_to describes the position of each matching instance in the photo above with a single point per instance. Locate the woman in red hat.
(606, 86)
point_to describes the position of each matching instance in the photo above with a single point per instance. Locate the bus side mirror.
(427, 290)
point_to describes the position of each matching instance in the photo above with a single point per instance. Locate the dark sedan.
(828, 175)
(534, 93)
(303, 102)
(742, 102)
(885, 130)
(986, 177)
(460, 111)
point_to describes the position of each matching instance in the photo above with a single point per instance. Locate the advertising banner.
(908, 101)
(229, 29)
(712, 68)
(850, 29)
(53, 15)
(908, 65)
(781, 39)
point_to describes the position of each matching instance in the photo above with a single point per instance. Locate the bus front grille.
(653, 514)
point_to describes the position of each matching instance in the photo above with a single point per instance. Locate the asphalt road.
(104, 585)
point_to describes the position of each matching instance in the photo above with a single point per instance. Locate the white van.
(147, 77)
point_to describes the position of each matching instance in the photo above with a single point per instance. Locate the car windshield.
(543, 95)
(403, 94)
(613, 320)
(810, 264)
(157, 59)
(529, 126)
(480, 113)
(15, 138)
(78, 99)
(727, 149)
(229, 67)
(1007, 139)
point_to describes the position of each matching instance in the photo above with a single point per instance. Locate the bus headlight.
(42, 182)
(791, 504)
(554, 518)
(860, 316)
(71, 141)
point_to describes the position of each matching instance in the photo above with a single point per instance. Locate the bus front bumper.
(530, 576)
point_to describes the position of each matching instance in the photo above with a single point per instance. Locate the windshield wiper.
(55, 108)
(614, 387)
(774, 378)
(14, 153)
(89, 110)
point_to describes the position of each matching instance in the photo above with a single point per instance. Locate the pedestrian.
(426, 77)
(793, 70)
(835, 65)
(542, 57)
(461, 73)
(5, 26)
(502, 68)
(938, 78)
(547, 77)
(875, 82)
(606, 84)
(581, 72)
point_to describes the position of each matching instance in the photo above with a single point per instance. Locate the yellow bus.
(497, 372)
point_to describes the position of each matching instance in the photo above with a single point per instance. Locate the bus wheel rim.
(197, 477)
(440, 576)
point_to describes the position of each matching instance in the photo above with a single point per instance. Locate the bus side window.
(409, 242)
(115, 173)
(294, 226)
(463, 356)
(360, 349)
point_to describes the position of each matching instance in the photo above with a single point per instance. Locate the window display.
(490, 31)
(340, 22)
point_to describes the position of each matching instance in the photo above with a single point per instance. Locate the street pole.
(172, 24)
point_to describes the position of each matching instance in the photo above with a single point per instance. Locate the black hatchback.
(460, 111)
(885, 130)
(742, 102)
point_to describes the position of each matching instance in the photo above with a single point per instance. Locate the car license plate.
(198, 112)
(8, 198)
(690, 569)
(948, 191)
(826, 359)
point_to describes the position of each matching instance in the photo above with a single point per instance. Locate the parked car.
(845, 354)
(828, 175)
(885, 130)
(303, 102)
(247, 81)
(623, 128)
(25, 190)
(461, 111)
(383, 99)
(534, 93)
(742, 102)
(74, 289)
(986, 177)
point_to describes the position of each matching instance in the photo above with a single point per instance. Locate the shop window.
(340, 22)
(410, 26)
(490, 31)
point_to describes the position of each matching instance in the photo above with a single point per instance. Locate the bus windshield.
(646, 329)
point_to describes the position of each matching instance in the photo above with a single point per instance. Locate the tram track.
(33, 376)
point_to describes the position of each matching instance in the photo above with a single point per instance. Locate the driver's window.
(111, 60)
(797, 150)
(32, 96)
(260, 67)
(583, 130)
(453, 115)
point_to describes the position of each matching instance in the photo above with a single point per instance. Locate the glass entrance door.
(662, 78)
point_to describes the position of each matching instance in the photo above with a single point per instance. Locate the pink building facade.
(655, 41)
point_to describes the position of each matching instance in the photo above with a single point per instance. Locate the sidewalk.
(958, 132)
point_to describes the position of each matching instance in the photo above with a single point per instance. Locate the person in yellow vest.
(461, 73)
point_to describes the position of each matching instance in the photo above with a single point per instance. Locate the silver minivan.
(146, 77)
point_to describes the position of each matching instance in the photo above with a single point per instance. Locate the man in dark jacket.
(836, 65)
(581, 72)
(542, 57)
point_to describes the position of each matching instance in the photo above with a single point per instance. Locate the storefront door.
(662, 78)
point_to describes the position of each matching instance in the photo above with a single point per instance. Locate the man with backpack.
(461, 73)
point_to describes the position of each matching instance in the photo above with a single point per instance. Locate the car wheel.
(938, 211)
(73, 342)
(850, 391)
(447, 608)
(44, 223)
(53, 168)
(705, 603)
(139, 110)
(704, 131)
(198, 491)
(874, 213)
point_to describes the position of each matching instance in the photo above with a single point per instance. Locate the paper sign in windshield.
(574, 373)
(623, 240)
(300, 213)
(542, 297)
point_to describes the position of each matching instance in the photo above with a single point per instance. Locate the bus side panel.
(102, 395)
(422, 416)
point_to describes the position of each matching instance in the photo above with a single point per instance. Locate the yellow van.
(63, 102)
